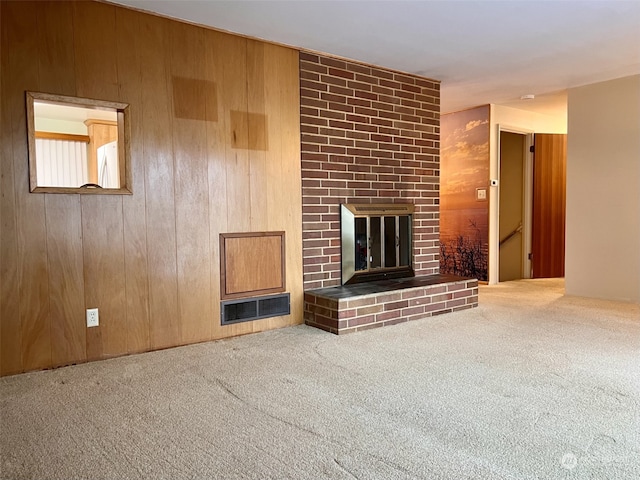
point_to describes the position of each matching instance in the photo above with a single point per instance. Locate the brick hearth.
(351, 308)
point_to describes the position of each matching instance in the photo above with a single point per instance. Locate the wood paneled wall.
(215, 148)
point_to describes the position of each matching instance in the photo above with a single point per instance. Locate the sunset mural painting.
(464, 169)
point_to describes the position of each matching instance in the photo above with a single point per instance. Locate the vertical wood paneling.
(237, 164)
(283, 204)
(56, 66)
(273, 160)
(217, 125)
(10, 325)
(56, 59)
(549, 202)
(220, 153)
(157, 138)
(191, 184)
(33, 278)
(255, 130)
(134, 206)
(66, 280)
(103, 266)
(95, 50)
(234, 86)
(102, 218)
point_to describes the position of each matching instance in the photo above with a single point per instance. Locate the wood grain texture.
(191, 185)
(234, 84)
(10, 324)
(134, 206)
(102, 218)
(284, 204)
(56, 59)
(63, 136)
(157, 139)
(103, 247)
(56, 65)
(99, 135)
(95, 52)
(549, 204)
(217, 125)
(150, 261)
(66, 279)
(252, 264)
(257, 121)
(32, 272)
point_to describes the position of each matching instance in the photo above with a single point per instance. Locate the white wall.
(603, 190)
(516, 120)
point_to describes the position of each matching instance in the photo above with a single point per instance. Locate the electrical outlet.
(92, 317)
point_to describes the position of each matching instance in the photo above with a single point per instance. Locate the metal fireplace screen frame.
(376, 241)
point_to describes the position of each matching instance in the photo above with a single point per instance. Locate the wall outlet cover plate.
(92, 317)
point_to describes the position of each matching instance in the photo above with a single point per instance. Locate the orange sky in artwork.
(464, 157)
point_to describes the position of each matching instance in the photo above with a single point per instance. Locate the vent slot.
(240, 312)
(273, 306)
(360, 209)
(248, 309)
(368, 208)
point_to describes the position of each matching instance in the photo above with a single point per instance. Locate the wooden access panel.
(252, 264)
(549, 199)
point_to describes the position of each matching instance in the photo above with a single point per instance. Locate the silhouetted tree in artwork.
(465, 256)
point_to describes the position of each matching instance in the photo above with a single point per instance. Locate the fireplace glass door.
(376, 242)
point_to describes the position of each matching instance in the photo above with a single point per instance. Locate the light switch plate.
(481, 194)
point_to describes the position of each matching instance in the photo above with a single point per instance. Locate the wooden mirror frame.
(122, 114)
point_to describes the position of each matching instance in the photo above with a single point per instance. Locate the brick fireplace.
(368, 136)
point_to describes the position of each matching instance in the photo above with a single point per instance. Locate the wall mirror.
(77, 145)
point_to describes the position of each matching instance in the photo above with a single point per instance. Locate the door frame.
(527, 214)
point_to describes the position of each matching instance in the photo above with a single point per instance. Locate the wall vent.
(248, 309)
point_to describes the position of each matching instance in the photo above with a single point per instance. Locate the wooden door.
(549, 199)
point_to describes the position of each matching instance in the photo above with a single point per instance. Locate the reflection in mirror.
(76, 145)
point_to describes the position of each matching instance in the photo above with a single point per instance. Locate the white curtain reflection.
(61, 163)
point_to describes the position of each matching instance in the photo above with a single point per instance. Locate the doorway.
(514, 209)
(531, 205)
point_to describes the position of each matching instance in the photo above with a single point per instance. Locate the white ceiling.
(482, 51)
(71, 113)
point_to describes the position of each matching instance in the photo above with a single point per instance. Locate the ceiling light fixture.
(530, 96)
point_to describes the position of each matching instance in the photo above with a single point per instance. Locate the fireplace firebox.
(376, 242)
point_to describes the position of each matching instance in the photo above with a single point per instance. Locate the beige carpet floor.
(530, 385)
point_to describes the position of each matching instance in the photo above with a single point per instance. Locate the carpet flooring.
(529, 385)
